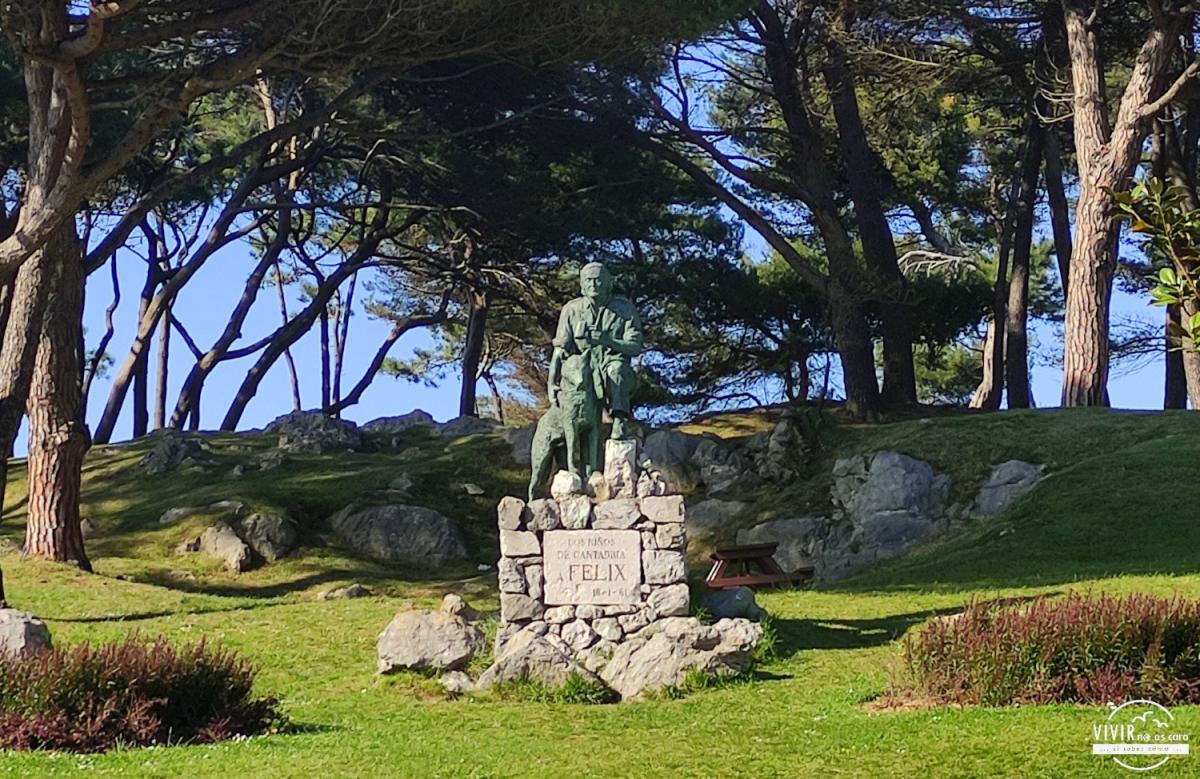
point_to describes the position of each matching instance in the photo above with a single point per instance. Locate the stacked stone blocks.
(618, 558)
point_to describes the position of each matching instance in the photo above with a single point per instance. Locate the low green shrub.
(576, 689)
(128, 693)
(1080, 649)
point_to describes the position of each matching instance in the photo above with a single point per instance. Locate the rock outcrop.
(708, 517)
(170, 450)
(399, 424)
(1008, 482)
(885, 505)
(314, 432)
(397, 533)
(466, 425)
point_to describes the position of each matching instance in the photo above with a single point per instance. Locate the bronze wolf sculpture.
(570, 433)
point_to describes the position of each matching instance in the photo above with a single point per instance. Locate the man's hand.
(596, 337)
(552, 392)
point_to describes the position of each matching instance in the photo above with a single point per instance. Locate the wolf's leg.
(595, 441)
(575, 456)
(542, 456)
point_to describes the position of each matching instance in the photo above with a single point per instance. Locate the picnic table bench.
(751, 565)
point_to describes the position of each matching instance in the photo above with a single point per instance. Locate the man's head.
(595, 282)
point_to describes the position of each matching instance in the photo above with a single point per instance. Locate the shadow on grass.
(308, 728)
(266, 591)
(469, 583)
(797, 635)
(147, 615)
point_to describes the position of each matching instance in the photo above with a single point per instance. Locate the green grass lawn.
(1102, 522)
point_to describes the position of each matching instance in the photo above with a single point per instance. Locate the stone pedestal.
(595, 563)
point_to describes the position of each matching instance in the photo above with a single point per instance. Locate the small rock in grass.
(349, 591)
(456, 682)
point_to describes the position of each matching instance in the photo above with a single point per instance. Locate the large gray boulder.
(271, 536)
(798, 539)
(662, 654)
(22, 633)
(313, 432)
(400, 423)
(1007, 482)
(169, 450)
(527, 656)
(395, 533)
(427, 640)
(222, 542)
(708, 517)
(670, 453)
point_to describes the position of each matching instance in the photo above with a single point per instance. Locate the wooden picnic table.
(751, 565)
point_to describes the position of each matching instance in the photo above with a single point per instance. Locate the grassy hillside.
(1115, 515)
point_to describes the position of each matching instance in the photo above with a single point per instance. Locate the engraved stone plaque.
(602, 567)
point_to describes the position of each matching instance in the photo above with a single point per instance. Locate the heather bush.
(91, 698)
(1081, 649)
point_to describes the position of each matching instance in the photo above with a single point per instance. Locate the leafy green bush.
(129, 693)
(1080, 649)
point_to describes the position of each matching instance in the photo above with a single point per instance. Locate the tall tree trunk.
(1191, 357)
(342, 335)
(293, 376)
(497, 398)
(1060, 212)
(1175, 380)
(1016, 335)
(194, 416)
(477, 312)
(324, 317)
(1173, 162)
(1107, 150)
(991, 389)
(847, 318)
(855, 352)
(49, 124)
(141, 395)
(164, 353)
(58, 438)
(865, 183)
(141, 368)
(987, 393)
